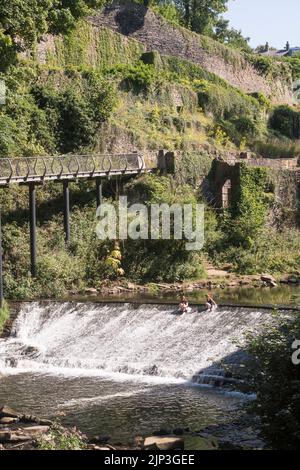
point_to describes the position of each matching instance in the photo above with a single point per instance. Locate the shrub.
(248, 213)
(286, 121)
(226, 103)
(60, 438)
(4, 316)
(276, 148)
(160, 260)
(141, 77)
(276, 381)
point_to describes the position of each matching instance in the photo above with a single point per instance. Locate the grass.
(156, 126)
(277, 148)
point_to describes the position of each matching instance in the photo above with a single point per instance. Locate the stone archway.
(227, 194)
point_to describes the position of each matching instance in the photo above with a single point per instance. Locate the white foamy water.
(123, 340)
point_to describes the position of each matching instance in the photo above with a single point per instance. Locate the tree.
(276, 380)
(64, 13)
(230, 36)
(23, 22)
(201, 15)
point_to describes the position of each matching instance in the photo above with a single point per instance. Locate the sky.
(275, 21)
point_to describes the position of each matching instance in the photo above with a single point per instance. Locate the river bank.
(19, 431)
(125, 370)
(217, 279)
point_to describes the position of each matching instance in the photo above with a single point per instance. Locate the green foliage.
(60, 438)
(59, 268)
(294, 62)
(239, 131)
(269, 67)
(271, 251)
(168, 10)
(286, 121)
(231, 36)
(23, 22)
(276, 147)
(263, 101)
(4, 316)
(185, 70)
(160, 260)
(201, 15)
(226, 103)
(63, 115)
(276, 381)
(249, 211)
(86, 46)
(191, 167)
(65, 13)
(7, 51)
(141, 77)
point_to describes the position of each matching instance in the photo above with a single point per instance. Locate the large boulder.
(163, 443)
(268, 278)
(7, 412)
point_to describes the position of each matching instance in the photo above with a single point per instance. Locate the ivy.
(251, 202)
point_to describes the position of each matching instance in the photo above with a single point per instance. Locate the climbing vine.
(251, 203)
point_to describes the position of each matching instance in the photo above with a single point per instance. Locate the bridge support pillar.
(66, 211)
(32, 210)
(99, 192)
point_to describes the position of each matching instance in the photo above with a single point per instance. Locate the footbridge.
(33, 171)
(69, 167)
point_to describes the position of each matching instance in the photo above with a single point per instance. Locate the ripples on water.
(120, 409)
(121, 370)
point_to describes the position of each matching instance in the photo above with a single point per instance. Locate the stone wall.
(285, 210)
(155, 33)
(276, 163)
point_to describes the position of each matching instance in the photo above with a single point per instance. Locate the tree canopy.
(22, 22)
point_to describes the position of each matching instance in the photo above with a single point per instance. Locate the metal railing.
(30, 169)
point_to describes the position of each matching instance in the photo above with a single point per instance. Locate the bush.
(141, 77)
(4, 316)
(248, 213)
(60, 438)
(63, 115)
(276, 381)
(271, 251)
(276, 148)
(160, 260)
(286, 121)
(226, 103)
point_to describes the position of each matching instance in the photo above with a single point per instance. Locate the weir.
(146, 341)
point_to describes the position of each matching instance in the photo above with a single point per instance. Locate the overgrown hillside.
(91, 89)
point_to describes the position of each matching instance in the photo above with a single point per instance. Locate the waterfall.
(125, 339)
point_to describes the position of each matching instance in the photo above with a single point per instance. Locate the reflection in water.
(281, 295)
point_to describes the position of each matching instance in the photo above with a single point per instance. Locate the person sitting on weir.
(183, 306)
(210, 303)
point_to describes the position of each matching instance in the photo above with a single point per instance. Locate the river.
(123, 369)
